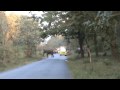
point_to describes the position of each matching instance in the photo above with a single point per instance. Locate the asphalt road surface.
(48, 68)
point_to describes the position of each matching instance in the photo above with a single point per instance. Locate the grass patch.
(18, 62)
(100, 68)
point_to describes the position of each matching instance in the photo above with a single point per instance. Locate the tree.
(29, 35)
(66, 24)
(85, 26)
(56, 42)
(3, 29)
(109, 21)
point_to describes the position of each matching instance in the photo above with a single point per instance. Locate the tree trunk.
(87, 48)
(89, 53)
(28, 51)
(4, 47)
(81, 47)
(95, 43)
(81, 37)
(114, 46)
(114, 49)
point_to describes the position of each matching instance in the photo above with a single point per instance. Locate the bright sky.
(18, 12)
(25, 12)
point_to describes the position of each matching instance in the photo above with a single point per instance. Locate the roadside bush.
(74, 57)
(107, 62)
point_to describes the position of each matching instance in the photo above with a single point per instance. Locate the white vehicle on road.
(62, 51)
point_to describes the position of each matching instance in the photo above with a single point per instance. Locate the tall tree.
(29, 35)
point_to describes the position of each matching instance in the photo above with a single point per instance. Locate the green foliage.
(74, 57)
(18, 34)
(107, 62)
(56, 42)
(97, 29)
(29, 35)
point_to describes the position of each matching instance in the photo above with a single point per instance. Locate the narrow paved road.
(48, 68)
